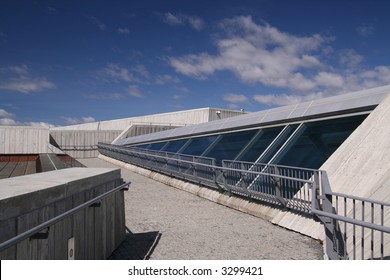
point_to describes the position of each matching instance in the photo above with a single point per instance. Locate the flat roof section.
(17, 165)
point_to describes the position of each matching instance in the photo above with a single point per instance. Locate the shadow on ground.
(136, 246)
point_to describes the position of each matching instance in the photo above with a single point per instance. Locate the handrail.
(351, 221)
(78, 147)
(360, 198)
(14, 240)
(219, 167)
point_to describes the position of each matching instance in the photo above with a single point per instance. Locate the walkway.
(167, 223)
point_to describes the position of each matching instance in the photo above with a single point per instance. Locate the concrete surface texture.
(23, 140)
(180, 118)
(82, 143)
(28, 201)
(191, 227)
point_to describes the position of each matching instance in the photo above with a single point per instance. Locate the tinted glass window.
(144, 146)
(260, 144)
(157, 146)
(175, 146)
(199, 145)
(318, 142)
(230, 145)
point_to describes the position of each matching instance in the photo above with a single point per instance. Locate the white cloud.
(285, 99)
(329, 80)
(232, 106)
(21, 70)
(7, 121)
(178, 96)
(26, 84)
(88, 119)
(136, 74)
(255, 54)
(165, 79)
(5, 114)
(71, 121)
(235, 98)
(350, 58)
(119, 73)
(113, 96)
(258, 53)
(43, 124)
(95, 21)
(19, 80)
(181, 20)
(74, 121)
(172, 19)
(195, 22)
(134, 91)
(123, 31)
(365, 29)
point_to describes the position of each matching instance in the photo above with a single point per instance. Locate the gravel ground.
(166, 223)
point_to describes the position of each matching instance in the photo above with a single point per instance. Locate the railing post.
(224, 178)
(332, 232)
(278, 191)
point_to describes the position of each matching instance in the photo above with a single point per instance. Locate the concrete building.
(80, 140)
(324, 161)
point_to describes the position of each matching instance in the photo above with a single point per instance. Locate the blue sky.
(68, 62)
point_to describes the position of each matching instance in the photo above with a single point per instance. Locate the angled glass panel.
(319, 141)
(199, 145)
(261, 144)
(277, 143)
(144, 146)
(174, 146)
(230, 145)
(157, 146)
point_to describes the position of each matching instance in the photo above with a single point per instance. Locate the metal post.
(278, 191)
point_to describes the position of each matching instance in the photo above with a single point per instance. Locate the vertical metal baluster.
(362, 237)
(372, 231)
(353, 230)
(382, 221)
(345, 229)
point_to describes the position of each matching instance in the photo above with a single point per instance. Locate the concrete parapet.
(81, 143)
(92, 233)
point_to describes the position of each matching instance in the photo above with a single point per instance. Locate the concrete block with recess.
(30, 200)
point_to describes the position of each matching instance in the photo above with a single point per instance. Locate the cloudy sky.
(69, 62)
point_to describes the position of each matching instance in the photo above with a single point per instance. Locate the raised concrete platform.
(190, 227)
(28, 201)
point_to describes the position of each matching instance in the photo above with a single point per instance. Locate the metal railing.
(37, 230)
(78, 147)
(282, 185)
(355, 227)
(305, 191)
(192, 168)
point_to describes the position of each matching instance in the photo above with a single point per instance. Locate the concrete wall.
(23, 140)
(29, 200)
(82, 143)
(360, 167)
(141, 129)
(174, 118)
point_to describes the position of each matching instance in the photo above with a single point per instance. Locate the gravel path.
(184, 226)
